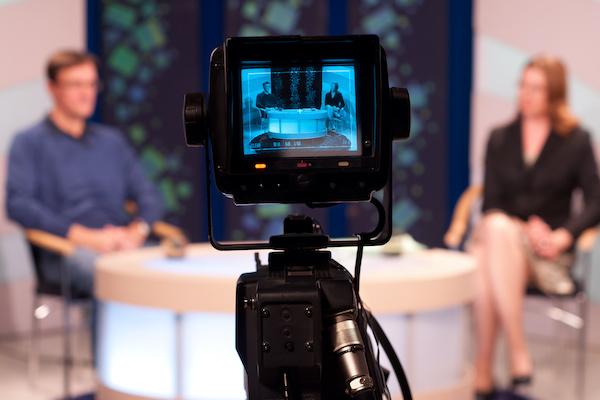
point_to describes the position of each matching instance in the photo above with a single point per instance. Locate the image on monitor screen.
(300, 111)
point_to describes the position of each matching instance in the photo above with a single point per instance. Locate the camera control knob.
(399, 113)
(194, 119)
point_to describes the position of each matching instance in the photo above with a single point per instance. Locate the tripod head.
(300, 233)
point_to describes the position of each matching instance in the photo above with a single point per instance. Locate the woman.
(527, 232)
(334, 103)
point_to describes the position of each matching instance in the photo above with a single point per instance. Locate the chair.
(336, 122)
(454, 238)
(40, 241)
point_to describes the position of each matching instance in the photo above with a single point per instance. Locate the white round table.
(166, 326)
(302, 123)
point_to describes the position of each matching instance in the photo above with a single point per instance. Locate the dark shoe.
(508, 395)
(521, 385)
(488, 395)
(85, 396)
(517, 381)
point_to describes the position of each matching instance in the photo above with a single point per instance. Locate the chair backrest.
(461, 215)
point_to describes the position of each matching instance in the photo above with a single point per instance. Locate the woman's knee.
(498, 224)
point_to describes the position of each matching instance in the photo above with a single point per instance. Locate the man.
(72, 178)
(266, 99)
(334, 102)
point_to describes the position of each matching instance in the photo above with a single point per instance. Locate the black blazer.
(337, 100)
(546, 187)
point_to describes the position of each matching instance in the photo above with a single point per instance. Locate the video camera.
(306, 120)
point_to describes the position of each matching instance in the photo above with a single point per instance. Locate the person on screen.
(334, 103)
(266, 100)
(72, 178)
(527, 232)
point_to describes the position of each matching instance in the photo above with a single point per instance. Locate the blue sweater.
(55, 180)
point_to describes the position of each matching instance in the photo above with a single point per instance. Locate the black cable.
(358, 264)
(365, 237)
(362, 239)
(363, 313)
(378, 333)
(392, 356)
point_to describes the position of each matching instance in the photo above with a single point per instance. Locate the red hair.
(561, 117)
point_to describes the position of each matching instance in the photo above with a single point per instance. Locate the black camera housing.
(382, 115)
(301, 328)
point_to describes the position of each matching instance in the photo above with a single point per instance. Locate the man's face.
(75, 90)
(333, 87)
(267, 87)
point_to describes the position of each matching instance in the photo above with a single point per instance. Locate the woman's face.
(533, 93)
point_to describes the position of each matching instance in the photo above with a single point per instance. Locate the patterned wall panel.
(284, 17)
(150, 59)
(414, 35)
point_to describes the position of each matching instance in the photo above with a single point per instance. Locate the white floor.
(554, 377)
(554, 369)
(15, 382)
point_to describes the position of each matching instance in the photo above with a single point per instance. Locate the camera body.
(308, 143)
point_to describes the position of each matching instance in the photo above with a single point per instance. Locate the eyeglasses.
(79, 85)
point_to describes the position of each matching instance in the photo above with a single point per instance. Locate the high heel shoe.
(487, 395)
(521, 384)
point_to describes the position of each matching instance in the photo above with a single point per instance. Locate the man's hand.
(546, 242)
(129, 237)
(98, 240)
(109, 238)
(136, 234)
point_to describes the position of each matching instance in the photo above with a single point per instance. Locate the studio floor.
(554, 362)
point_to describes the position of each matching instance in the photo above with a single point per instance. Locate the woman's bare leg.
(505, 263)
(485, 318)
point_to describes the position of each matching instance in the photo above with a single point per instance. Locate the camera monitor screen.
(300, 111)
